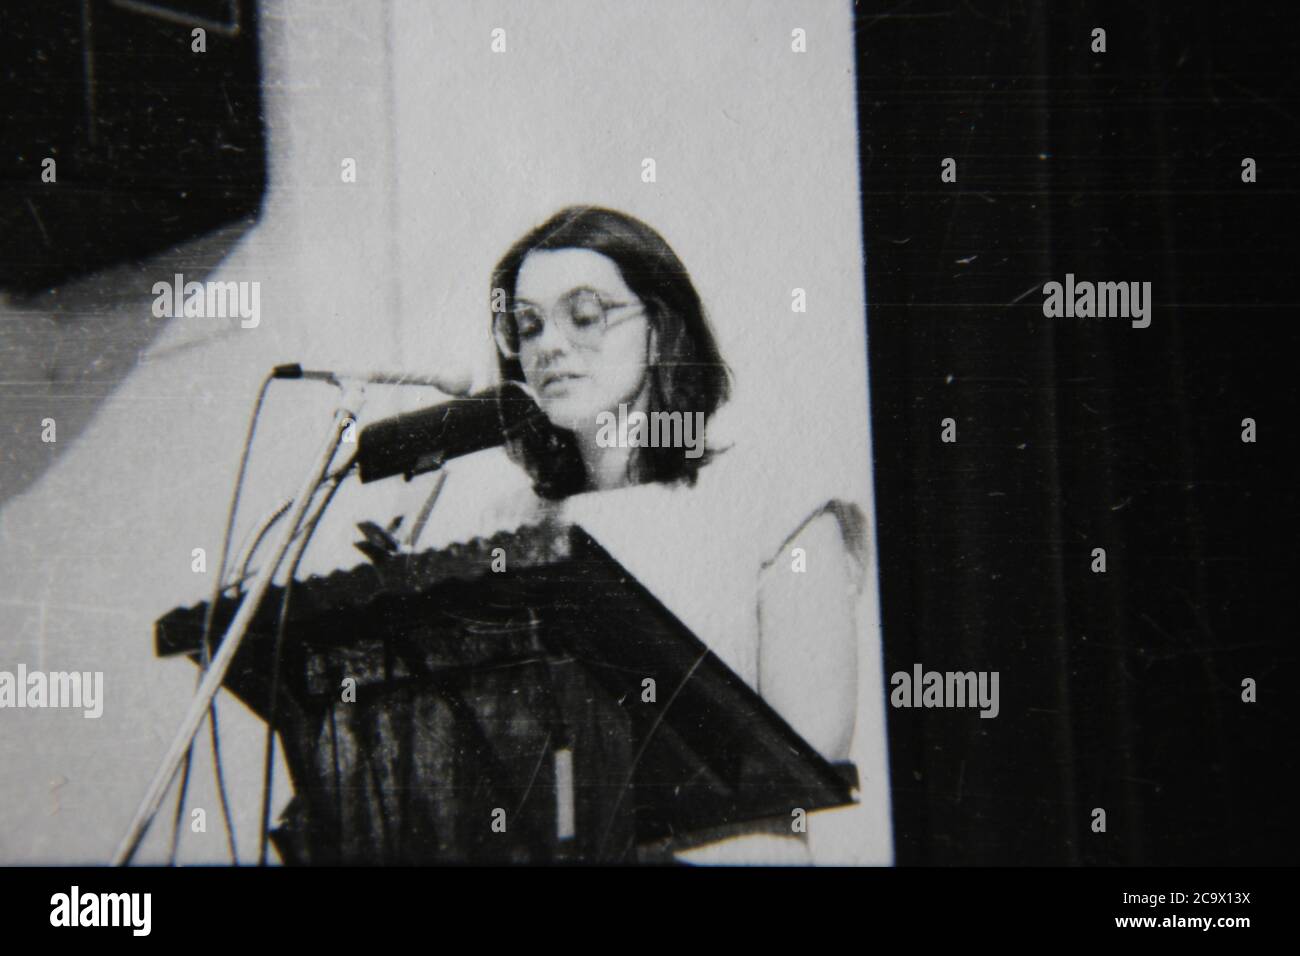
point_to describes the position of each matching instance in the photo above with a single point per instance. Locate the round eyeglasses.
(583, 316)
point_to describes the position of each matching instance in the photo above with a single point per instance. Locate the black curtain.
(1119, 690)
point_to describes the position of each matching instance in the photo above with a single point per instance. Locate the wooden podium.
(433, 710)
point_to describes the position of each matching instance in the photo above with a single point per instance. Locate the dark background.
(1119, 690)
(153, 145)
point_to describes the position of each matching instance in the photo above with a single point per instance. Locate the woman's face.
(574, 383)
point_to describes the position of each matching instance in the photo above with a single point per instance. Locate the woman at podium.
(597, 317)
(650, 545)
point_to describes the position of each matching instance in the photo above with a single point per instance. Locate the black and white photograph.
(672, 436)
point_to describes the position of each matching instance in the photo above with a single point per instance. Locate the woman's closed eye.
(582, 310)
(586, 308)
(528, 321)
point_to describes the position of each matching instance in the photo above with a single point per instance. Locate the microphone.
(423, 440)
(450, 383)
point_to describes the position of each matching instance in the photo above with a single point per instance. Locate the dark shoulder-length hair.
(686, 375)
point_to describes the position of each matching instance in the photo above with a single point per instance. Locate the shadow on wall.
(64, 352)
(151, 162)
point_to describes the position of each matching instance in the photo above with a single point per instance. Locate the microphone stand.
(221, 660)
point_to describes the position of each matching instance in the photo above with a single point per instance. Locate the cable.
(219, 587)
(254, 542)
(332, 484)
(246, 554)
(205, 651)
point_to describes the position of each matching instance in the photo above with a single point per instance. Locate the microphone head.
(424, 440)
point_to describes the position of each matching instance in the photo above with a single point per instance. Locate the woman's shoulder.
(833, 527)
(783, 505)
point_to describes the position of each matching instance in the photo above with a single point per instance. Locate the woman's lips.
(558, 379)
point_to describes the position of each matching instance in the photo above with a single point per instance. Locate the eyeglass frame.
(567, 328)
